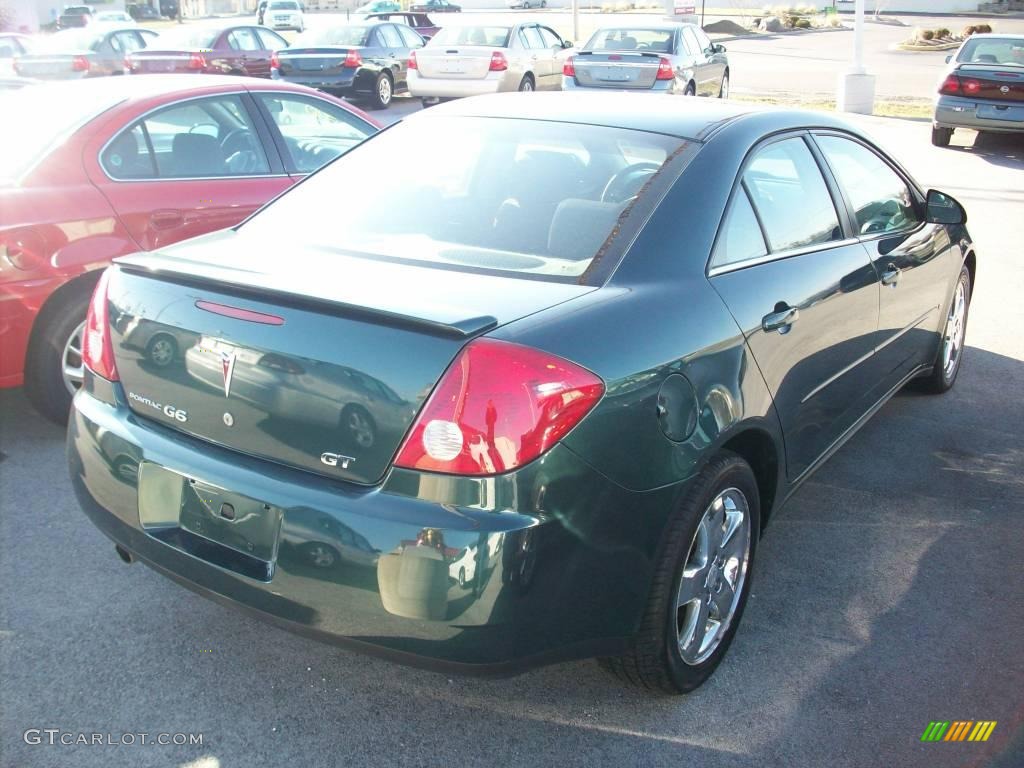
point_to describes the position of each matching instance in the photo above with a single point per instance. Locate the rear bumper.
(344, 84)
(660, 86)
(444, 88)
(561, 557)
(959, 112)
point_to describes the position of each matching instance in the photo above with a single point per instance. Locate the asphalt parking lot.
(887, 594)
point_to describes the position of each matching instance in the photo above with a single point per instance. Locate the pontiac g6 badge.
(227, 364)
(169, 411)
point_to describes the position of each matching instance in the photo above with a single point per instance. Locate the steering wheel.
(241, 150)
(626, 184)
(886, 216)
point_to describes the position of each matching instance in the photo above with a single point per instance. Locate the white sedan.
(472, 60)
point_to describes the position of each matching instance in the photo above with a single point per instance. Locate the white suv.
(284, 14)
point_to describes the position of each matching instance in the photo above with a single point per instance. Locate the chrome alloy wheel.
(713, 576)
(384, 90)
(953, 338)
(72, 365)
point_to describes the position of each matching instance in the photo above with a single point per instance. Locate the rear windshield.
(993, 50)
(492, 36)
(47, 114)
(77, 10)
(284, 6)
(69, 40)
(659, 40)
(185, 39)
(472, 193)
(333, 36)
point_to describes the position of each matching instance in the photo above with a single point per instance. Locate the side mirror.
(943, 209)
(949, 58)
(567, 43)
(718, 48)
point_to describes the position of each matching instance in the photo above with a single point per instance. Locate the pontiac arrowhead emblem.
(227, 363)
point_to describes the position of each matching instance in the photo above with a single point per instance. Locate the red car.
(112, 166)
(238, 50)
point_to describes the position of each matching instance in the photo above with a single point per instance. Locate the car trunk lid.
(306, 61)
(154, 61)
(605, 69)
(318, 361)
(994, 82)
(464, 62)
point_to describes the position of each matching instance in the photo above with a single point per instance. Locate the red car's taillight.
(497, 407)
(412, 60)
(196, 61)
(665, 71)
(97, 346)
(80, 64)
(498, 62)
(275, 61)
(353, 60)
(569, 67)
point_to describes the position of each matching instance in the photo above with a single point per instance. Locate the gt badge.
(336, 460)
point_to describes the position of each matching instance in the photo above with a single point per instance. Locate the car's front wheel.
(941, 136)
(701, 582)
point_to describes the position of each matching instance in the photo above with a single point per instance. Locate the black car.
(360, 61)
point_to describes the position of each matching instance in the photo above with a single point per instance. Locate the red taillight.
(498, 62)
(275, 61)
(196, 61)
(665, 71)
(569, 67)
(80, 64)
(97, 346)
(127, 63)
(498, 407)
(353, 60)
(971, 87)
(412, 60)
(950, 86)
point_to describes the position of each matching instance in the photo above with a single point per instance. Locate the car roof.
(693, 119)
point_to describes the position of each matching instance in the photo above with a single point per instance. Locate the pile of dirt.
(726, 27)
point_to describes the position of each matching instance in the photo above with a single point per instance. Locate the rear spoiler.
(459, 329)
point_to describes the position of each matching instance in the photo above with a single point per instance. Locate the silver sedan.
(473, 60)
(652, 58)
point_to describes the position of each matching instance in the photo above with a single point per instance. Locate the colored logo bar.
(958, 730)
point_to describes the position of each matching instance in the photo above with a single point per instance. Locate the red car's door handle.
(167, 219)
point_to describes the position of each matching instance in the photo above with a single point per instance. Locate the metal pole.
(576, 21)
(702, 4)
(858, 37)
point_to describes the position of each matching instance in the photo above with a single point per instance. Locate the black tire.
(942, 378)
(691, 90)
(527, 85)
(723, 89)
(383, 92)
(44, 377)
(941, 136)
(162, 350)
(653, 660)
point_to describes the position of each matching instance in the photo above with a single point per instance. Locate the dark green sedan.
(520, 379)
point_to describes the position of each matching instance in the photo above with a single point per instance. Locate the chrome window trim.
(778, 255)
(144, 115)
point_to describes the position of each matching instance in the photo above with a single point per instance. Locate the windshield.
(68, 40)
(185, 39)
(472, 193)
(493, 36)
(993, 50)
(659, 40)
(333, 36)
(47, 114)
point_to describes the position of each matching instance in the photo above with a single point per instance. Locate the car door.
(411, 40)
(310, 131)
(187, 168)
(915, 261)
(803, 293)
(555, 50)
(713, 62)
(702, 72)
(253, 59)
(392, 54)
(538, 58)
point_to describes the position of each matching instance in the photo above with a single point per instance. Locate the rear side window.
(740, 238)
(881, 200)
(206, 138)
(790, 195)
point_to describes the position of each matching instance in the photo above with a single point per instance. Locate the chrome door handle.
(891, 275)
(780, 320)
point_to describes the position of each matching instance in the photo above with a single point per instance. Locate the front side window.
(790, 195)
(881, 200)
(551, 40)
(740, 238)
(409, 36)
(479, 194)
(314, 131)
(207, 138)
(389, 35)
(533, 38)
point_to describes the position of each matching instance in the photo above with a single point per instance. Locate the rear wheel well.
(757, 448)
(55, 303)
